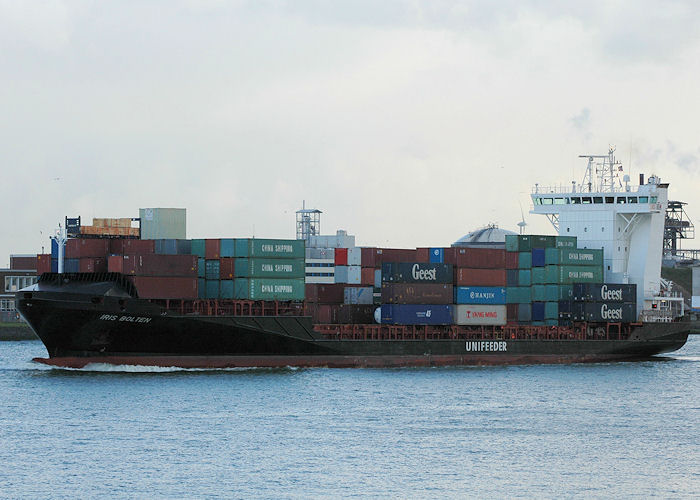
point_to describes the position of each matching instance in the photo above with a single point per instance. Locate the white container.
(354, 275)
(479, 314)
(341, 274)
(321, 280)
(354, 256)
(358, 295)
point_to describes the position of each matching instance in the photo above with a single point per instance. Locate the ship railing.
(231, 307)
(577, 331)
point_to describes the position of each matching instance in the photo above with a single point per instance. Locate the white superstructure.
(626, 221)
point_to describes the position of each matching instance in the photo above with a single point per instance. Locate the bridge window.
(546, 201)
(575, 200)
(538, 201)
(586, 200)
(653, 199)
(632, 199)
(560, 201)
(597, 199)
(609, 199)
(643, 199)
(621, 200)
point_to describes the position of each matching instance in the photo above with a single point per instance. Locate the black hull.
(78, 329)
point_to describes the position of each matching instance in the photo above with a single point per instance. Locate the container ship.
(112, 293)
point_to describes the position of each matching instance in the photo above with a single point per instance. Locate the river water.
(586, 430)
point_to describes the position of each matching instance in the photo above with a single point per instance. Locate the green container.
(212, 269)
(201, 288)
(565, 242)
(538, 293)
(268, 289)
(227, 247)
(275, 249)
(551, 322)
(566, 292)
(537, 274)
(524, 277)
(518, 295)
(551, 293)
(211, 289)
(226, 289)
(524, 260)
(574, 256)
(201, 269)
(198, 248)
(518, 243)
(551, 275)
(540, 241)
(538, 323)
(269, 268)
(551, 310)
(580, 274)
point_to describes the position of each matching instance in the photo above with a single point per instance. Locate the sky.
(408, 123)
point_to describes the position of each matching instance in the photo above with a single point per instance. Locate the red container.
(417, 293)
(422, 254)
(115, 264)
(512, 260)
(160, 265)
(325, 314)
(512, 312)
(341, 257)
(43, 263)
(129, 246)
(93, 265)
(23, 262)
(159, 287)
(226, 268)
(367, 276)
(325, 294)
(476, 258)
(77, 248)
(480, 277)
(212, 247)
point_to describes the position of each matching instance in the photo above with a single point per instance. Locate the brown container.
(512, 312)
(115, 264)
(325, 294)
(93, 265)
(369, 257)
(422, 254)
(159, 287)
(43, 263)
(396, 255)
(226, 268)
(131, 246)
(356, 314)
(212, 247)
(417, 293)
(476, 258)
(160, 265)
(367, 276)
(77, 248)
(480, 277)
(512, 260)
(23, 262)
(325, 314)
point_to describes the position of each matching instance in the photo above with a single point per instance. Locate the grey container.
(163, 223)
(358, 295)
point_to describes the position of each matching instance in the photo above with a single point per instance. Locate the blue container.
(538, 311)
(54, 249)
(198, 248)
(212, 269)
(524, 312)
(54, 265)
(512, 277)
(71, 265)
(377, 278)
(201, 287)
(437, 255)
(166, 247)
(564, 306)
(211, 289)
(538, 259)
(228, 246)
(201, 269)
(480, 295)
(184, 247)
(226, 289)
(415, 314)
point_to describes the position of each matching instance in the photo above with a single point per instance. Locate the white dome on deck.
(490, 235)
